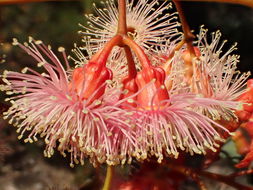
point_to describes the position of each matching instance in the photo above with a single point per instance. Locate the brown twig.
(241, 173)
(122, 25)
(189, 172)
(224, 179)
(188, 36)
(248, 3)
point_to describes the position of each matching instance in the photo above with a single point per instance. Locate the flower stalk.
(131, 65)
(138, 50)
(122, 30)
(241, 173)
(108, 178)
(102, 56)
(122, 25)
(188, 36)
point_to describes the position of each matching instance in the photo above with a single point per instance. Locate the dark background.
(234, 21)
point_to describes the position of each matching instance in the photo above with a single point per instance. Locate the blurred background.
(22, 166)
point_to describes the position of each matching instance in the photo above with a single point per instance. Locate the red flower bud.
(89, 80)
(187, 57)
(151, 81)
(130, 86)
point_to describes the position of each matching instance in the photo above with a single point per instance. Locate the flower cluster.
(115, 106)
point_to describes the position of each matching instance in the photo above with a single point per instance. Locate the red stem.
(138, 51)
(188, 36)
(122, 25)
(122, 30)
(101, 56)
(132, 72)
(245, 172)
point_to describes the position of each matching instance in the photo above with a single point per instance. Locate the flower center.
(131, 32)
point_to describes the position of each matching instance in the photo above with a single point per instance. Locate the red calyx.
(129, 84)
(152, 93)
(87, 81)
